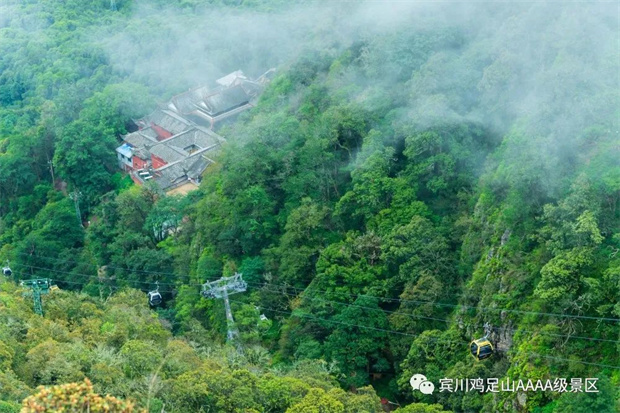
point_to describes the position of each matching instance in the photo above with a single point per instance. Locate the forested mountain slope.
(413, 173)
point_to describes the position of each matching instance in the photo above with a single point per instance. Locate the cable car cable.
(467, 306)
(78, 262)
(316, 298)
(569, 336)
(563, 315)
(397, 332)
(412, 335)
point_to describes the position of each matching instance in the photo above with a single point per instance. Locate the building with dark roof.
(171, 163)
(172, 143)
(231, 95)
(228, 99)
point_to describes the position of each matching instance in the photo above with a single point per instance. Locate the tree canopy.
(412, 178)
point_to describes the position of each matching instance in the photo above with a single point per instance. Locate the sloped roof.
(125, 150)
(196, 168)
(141, 138)
(225, 100)
(252, 89)
(142, 153)
(168, 153)
(186, 102)
(149, 133)
(230, 78)
(196, 137)
(169, 121)
(267, 76)
(177, 173)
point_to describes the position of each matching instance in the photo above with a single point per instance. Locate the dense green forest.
(414, 173)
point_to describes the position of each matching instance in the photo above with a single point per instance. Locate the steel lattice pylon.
(222, 288)
(38, 286)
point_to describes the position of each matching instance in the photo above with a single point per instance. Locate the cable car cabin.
(7, 271)
(154, 298)
(481, 349)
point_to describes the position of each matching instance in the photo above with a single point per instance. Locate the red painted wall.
(157, 161)
(161, 132)
(138, 163)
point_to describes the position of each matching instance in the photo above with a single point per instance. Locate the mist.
(512, 60)
(543, 71)
(445, 161)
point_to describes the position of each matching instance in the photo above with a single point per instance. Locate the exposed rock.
(503, 339)
(505, 237)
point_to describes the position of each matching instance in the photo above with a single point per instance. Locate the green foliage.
(305, 233)
(423, 408)
(561, 275)
(124, 349)
(359, 351)
(395, 188)
(317, 401)
(605, 401)
(6, 407)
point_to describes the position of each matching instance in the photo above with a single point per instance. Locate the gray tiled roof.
(252, 89)
(142, 153)
(230, 78)
(139, 138)
(168, 153)
(182, 118)
(169, 121)
(190, 168)
(186, 102)
(149, 132)
(225, 100)
(193, 137)
(173, 149)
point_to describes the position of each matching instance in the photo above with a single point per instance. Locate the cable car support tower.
(38, 286)
(222, 288)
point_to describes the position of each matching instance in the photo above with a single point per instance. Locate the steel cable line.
(330, 301)
(351, 305)
(457, 305)
(113, 287)
(435, 340)
(94, 277)
(78, 262)
(419, 302)
(569, 336)
(82, 284)
(413, 335)
(89, 276)
(439, 304)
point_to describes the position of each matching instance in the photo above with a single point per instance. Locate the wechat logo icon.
(419, 382)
